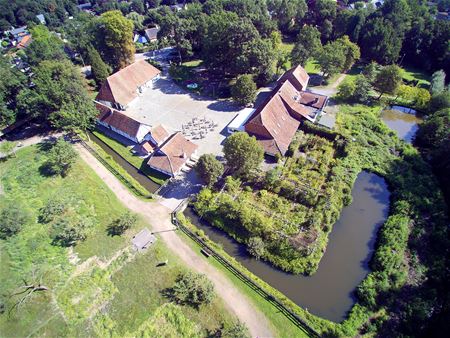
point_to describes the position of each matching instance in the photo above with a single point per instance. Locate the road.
(159, 216)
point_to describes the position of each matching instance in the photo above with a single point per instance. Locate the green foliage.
(209, 169)
(126, 221)
(13, 217)
(439, 101)
(288, 14)
(332, 58)
(346, 90)
(61, 157)
(46, 45)
(70, 230)
(7, 148)
(59, 96)
(244, 91)
(437, 82)
(168, 321)
(117, 33)
(100, 71)
(307, 45)
(236, 330)
(351, 51)
(388, 80)
(193, 289)
(256, 247)
(243, 154)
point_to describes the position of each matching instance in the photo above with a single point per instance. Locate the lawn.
(134, 160)
(416, 74)
(99, 285)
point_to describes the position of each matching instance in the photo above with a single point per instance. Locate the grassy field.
(134, 160)
(98, 288)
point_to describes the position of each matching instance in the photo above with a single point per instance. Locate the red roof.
(159, 134)
(272, 121)
(298, 77)
(25, 42)
(173, 154)
(118, 120)
(122, 87)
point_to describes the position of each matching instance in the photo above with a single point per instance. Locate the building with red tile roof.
(122, 87)
(24, 41)
(170, 157)
(276, 121)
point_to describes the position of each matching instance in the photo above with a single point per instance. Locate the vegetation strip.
(135, 187)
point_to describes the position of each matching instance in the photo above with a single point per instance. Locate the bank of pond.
(328, 293)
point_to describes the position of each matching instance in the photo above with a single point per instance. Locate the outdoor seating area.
(197, 128)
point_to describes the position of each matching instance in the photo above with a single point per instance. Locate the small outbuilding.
(237, 124)
(142, 240)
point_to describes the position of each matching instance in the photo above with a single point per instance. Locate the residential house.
(122, 124)
(41, 19)
(24, 41)
(152, 34)
(127, 84)
(18, 32)
(275, 122)
(171, 157)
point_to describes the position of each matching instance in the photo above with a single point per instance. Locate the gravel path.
(159, 216)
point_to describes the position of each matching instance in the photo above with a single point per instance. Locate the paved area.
(172, 106)
(159, 216)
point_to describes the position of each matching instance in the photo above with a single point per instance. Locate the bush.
(193, 289)
(244, 91)
(126, 221)
(61, 157)
(13, 217)
(209, 169)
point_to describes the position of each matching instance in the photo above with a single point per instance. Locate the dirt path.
(159, 216)
(331, 89)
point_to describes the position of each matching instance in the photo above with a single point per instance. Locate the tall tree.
(351, 51)
(332, 58)
(388, 80)
(437, 82)
(100, 70)
(244, 91)
(307, 45)
(61, 157)
(59, 96)
(287, 13)
(117, 33)
(243, 154)
(380, 41)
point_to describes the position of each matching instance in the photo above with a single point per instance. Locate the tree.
(307, 45)
(287, 13)
(243, 154)
(68, 231)
(126, 221)
(61, 157)
(437, 82)
(370, 71)
(117, 33)
(12, 81)
(346, 90)
(13, 217)
(388, 80)
(256, 247)
(244, 90)
(362, 90)
(440, 101)
(209, 169)
(7, 148)
(332, 58)
(100, 70)
(380, 41)
(46, 45)
(351, 51)
(193, 289)
(59, 96)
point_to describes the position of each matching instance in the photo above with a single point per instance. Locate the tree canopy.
(244, 90)
(209, 169)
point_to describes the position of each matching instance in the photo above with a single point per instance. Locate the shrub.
(193, 289)
(13, 217)
(122, 224)
(61, 157)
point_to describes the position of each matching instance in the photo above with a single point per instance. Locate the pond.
(403, 120)
(329, 293)
(146, 182)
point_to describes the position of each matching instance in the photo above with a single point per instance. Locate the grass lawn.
(134, 160)
(412, 73)
(192, 63)
(84, 299)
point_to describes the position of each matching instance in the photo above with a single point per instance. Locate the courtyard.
(174, 107)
